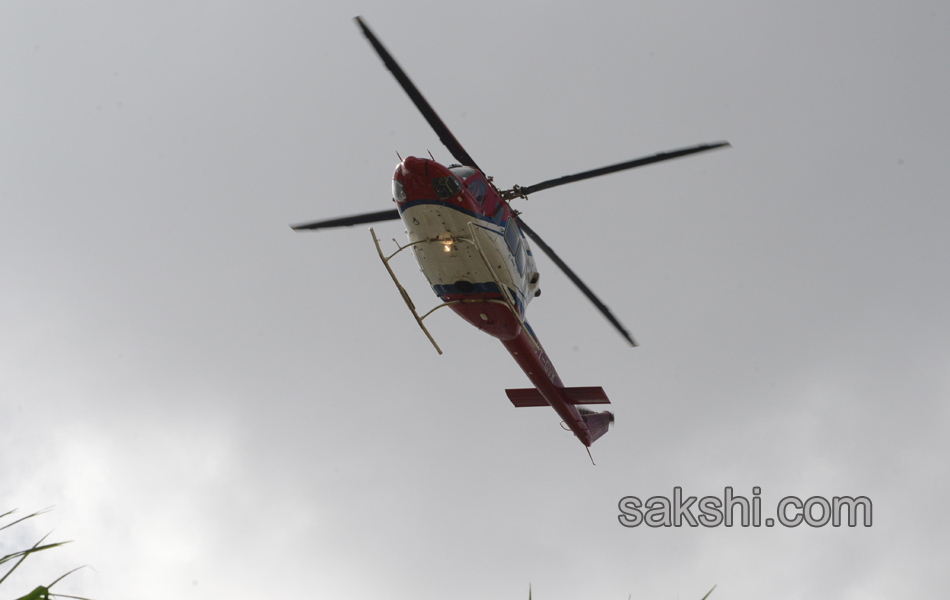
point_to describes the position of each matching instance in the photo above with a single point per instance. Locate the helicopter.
(474, 250)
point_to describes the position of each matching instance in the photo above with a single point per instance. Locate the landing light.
(448, 246)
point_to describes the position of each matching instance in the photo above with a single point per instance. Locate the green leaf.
(40, 593)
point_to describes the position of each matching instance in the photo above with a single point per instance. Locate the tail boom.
(550, 391)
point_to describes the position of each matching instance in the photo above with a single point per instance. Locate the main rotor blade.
(427, 111)
(383, 215)
(619, 167)
(577, 281)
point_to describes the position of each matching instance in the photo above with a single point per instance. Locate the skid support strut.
(402, 290)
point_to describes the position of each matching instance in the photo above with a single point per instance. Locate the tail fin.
(597, 423)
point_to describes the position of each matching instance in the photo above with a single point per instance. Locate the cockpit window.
(463, 172)
(399, 193)
(477, 187)
(446, 187)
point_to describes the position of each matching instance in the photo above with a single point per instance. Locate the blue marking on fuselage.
(531, 331)
(477, 288)
(519, 304)
(442, 290)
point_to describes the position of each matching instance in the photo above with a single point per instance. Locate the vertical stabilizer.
(598, 423)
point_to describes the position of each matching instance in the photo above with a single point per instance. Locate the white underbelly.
(447, 254)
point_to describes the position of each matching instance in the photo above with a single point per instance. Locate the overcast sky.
(219, 407)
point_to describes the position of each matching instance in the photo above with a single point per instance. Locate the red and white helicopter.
(471, 246)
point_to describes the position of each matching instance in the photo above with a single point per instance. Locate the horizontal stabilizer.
(525, 397)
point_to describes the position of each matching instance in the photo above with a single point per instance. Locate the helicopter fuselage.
(476, 259)
(466, 242)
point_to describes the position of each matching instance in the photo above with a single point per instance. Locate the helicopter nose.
(424, 179)
(412, 166)
(411, 177)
